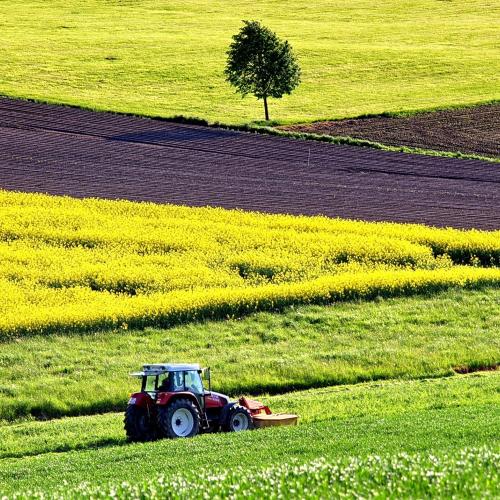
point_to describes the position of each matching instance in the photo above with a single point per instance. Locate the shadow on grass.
(98, 444)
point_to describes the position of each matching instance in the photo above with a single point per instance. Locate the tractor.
(173, 402)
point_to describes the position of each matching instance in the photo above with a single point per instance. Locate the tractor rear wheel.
(238, 419)
(181, 418)
(138, 424)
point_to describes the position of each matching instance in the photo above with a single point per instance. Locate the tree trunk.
(265, 108)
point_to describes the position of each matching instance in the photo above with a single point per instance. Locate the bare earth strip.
(61, 150)
(468, 130)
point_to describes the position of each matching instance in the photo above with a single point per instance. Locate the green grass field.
(466, 473)
(412, 337)
(437, 415)
(379, 399)
(418, 425)
(167, 58)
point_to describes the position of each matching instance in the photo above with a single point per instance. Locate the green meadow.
(384, 418)
(166, 58)
(465, 473)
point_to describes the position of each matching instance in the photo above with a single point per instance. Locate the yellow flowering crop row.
(76, 265)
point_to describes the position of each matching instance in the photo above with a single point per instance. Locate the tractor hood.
(217, 398)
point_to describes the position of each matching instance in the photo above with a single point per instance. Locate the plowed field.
(61, 150)
(469, 130)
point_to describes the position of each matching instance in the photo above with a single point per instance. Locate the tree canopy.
(261, 64)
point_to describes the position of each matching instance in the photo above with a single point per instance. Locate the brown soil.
(464, 369)
(62, 150)
(468, 130)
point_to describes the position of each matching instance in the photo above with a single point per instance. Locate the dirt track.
(469, 130)
(68, 151)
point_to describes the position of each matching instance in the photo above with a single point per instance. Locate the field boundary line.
(270, 130)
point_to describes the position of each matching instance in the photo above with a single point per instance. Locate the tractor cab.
(174, 378)
(173, 402)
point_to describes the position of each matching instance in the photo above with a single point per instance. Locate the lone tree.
(260, 63)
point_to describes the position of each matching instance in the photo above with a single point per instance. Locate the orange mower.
(173, 402)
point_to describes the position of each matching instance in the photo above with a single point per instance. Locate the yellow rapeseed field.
(77, 265)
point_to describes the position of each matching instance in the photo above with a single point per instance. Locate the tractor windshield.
(177, 381)
(171, 382)
(193, 382)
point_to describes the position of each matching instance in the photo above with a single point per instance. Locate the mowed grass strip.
(167, 58)
(412, 416)
(372, 399)
(308, 346)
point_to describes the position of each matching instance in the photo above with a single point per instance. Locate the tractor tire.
(181, 418)
(138, 424)
(238, 419)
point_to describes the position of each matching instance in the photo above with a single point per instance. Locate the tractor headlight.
(132, 401)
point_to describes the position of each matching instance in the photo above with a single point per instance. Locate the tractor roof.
(158, 369)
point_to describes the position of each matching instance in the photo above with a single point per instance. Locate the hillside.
(167, 58)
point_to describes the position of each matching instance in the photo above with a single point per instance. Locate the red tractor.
(174, 403)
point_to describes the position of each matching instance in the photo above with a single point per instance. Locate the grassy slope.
(304, 347)
(371, 399)
(166, 58)
(388, 417)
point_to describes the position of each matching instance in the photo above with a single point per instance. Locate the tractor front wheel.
(138, 424)
(238, 419)
(181, 418)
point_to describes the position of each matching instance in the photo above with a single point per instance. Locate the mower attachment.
(262, 416)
